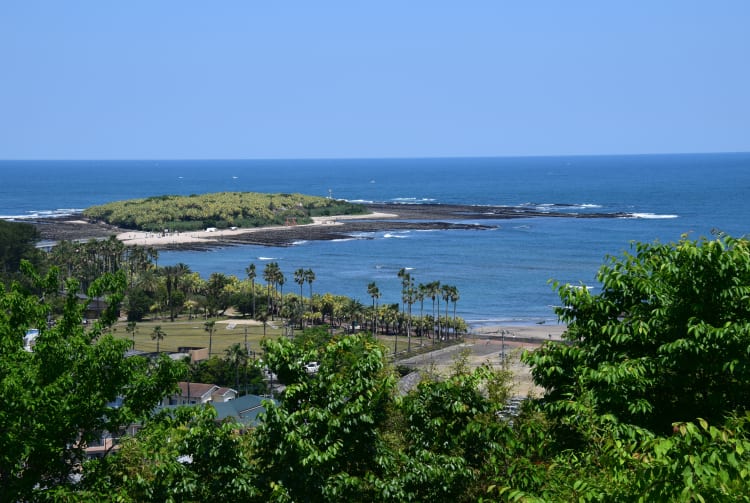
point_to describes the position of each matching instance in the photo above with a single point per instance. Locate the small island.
(201, 222)
(222, 210)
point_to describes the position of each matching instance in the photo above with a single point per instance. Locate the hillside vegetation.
(221, 210)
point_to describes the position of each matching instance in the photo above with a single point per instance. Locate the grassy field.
(227, 331)
(192, 334)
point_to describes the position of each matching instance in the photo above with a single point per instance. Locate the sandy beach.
(170, 239)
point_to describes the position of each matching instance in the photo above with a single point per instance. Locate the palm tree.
(236, 357)
(156, 308)
(421, 294)
(172, 275)
(209, 326)
(280, 280)
(191, 306)
(310, 277)
(270, 274)
(299, 278)
(353, 309)
(157, 334)
(445, 293)
(137, 262)
(433, 290)
(374, 292)
(454, 298)
(132, 328)
(149, 281)
(407, 296)
(251, 274)
(153, 255)
(263, 318)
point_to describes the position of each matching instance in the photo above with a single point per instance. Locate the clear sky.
(186, 79)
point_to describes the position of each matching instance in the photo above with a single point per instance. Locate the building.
(193, 393)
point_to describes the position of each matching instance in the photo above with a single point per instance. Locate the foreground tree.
(17, 241)
(322, 440)
(63, 392)
(665, 340)
(181, 455)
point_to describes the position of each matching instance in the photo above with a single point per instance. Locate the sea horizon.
(370, 158)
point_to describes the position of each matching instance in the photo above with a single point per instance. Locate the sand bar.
(166, 239)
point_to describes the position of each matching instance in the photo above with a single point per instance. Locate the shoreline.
(509, 332)
(382, 217)
(209, 237)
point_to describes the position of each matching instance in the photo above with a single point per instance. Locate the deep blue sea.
(502, 275)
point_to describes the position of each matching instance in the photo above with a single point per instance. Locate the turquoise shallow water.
(502, 275)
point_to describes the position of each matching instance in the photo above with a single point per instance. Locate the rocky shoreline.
(401, 217)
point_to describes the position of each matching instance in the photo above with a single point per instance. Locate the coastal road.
(487, 346)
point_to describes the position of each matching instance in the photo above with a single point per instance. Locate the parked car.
(312, 367)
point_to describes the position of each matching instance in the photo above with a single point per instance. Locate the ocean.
(502, 275)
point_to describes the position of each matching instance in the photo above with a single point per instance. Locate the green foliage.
(453, 423)
(137, 304)
(697, 462)
(321, 441)
(181, 455)
(218, 296)
(87, 261)
(663, 341)
(222, 210)
(17, 242)
(60, 396)
(660, 346)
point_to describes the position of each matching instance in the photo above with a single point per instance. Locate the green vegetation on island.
(220, 210)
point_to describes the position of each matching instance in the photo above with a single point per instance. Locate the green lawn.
(227, 331)
(191, 333)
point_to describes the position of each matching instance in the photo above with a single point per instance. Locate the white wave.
(267, 258)
(412, 200)
(561, 206)
(651, 216)
(359, 201)
(362, 235)
(34, 214)
(340, 240)
(389, 235)
(299, 242)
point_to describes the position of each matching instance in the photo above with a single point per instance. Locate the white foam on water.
(651, 216)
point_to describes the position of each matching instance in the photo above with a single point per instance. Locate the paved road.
(482, 350)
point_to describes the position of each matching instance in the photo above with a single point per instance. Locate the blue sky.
(162, 79)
